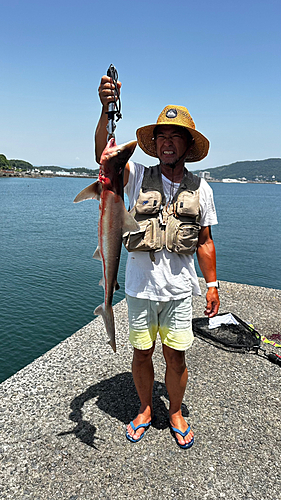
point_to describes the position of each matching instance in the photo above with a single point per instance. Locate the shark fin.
(129, 223)
(97, 254)
(99, 310)
(91, 192)
(101, 282)
(116, 286)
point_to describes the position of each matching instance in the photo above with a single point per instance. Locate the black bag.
(240, 337)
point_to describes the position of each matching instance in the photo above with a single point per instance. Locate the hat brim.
(197, 151)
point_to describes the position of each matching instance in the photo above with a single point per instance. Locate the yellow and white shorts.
(172, 319)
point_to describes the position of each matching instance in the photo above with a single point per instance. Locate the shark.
(114, 221)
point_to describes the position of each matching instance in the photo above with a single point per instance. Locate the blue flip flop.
(145, 427)
(183, 434)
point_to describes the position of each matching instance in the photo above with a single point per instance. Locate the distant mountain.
(23, 165)
(6, 164)
(78, 170)
(262, 170)
(251, 170)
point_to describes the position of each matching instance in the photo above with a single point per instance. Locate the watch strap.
(214, 284)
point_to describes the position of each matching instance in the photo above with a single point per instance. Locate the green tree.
(4, 163)
(21, 164)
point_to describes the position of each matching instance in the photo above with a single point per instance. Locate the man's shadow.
(118, 398)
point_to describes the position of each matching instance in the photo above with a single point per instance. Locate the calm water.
(49, 281)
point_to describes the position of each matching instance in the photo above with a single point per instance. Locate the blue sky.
(222, 60)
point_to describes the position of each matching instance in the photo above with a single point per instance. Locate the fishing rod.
(114, 108)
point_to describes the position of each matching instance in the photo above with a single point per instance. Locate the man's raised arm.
(106, 95)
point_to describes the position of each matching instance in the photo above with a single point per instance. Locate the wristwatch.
(214, 284)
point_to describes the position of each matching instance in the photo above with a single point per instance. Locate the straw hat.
(179, 116)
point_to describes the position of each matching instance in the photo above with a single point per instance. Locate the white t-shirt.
(171, 275)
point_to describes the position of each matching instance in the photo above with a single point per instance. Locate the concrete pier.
(63, 418)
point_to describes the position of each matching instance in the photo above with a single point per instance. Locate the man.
(160, 273)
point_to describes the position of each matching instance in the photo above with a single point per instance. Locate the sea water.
(49, 282)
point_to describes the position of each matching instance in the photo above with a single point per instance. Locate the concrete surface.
(63, 418)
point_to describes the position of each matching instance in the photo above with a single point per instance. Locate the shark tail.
(107, 314)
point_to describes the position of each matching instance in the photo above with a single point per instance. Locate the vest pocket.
(148, 202)
(188, 203)
(181, 237)
(148, 238)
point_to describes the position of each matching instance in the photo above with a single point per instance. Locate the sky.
(220, 59)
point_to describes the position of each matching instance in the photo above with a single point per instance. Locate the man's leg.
(176, 380)
(143, 375)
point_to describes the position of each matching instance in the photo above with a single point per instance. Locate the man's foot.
(185, 437)
(137, 427)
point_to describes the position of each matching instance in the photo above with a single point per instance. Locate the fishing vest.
(176, 227)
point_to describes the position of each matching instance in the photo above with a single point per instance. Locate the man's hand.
(213, 302)
(106, 90)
